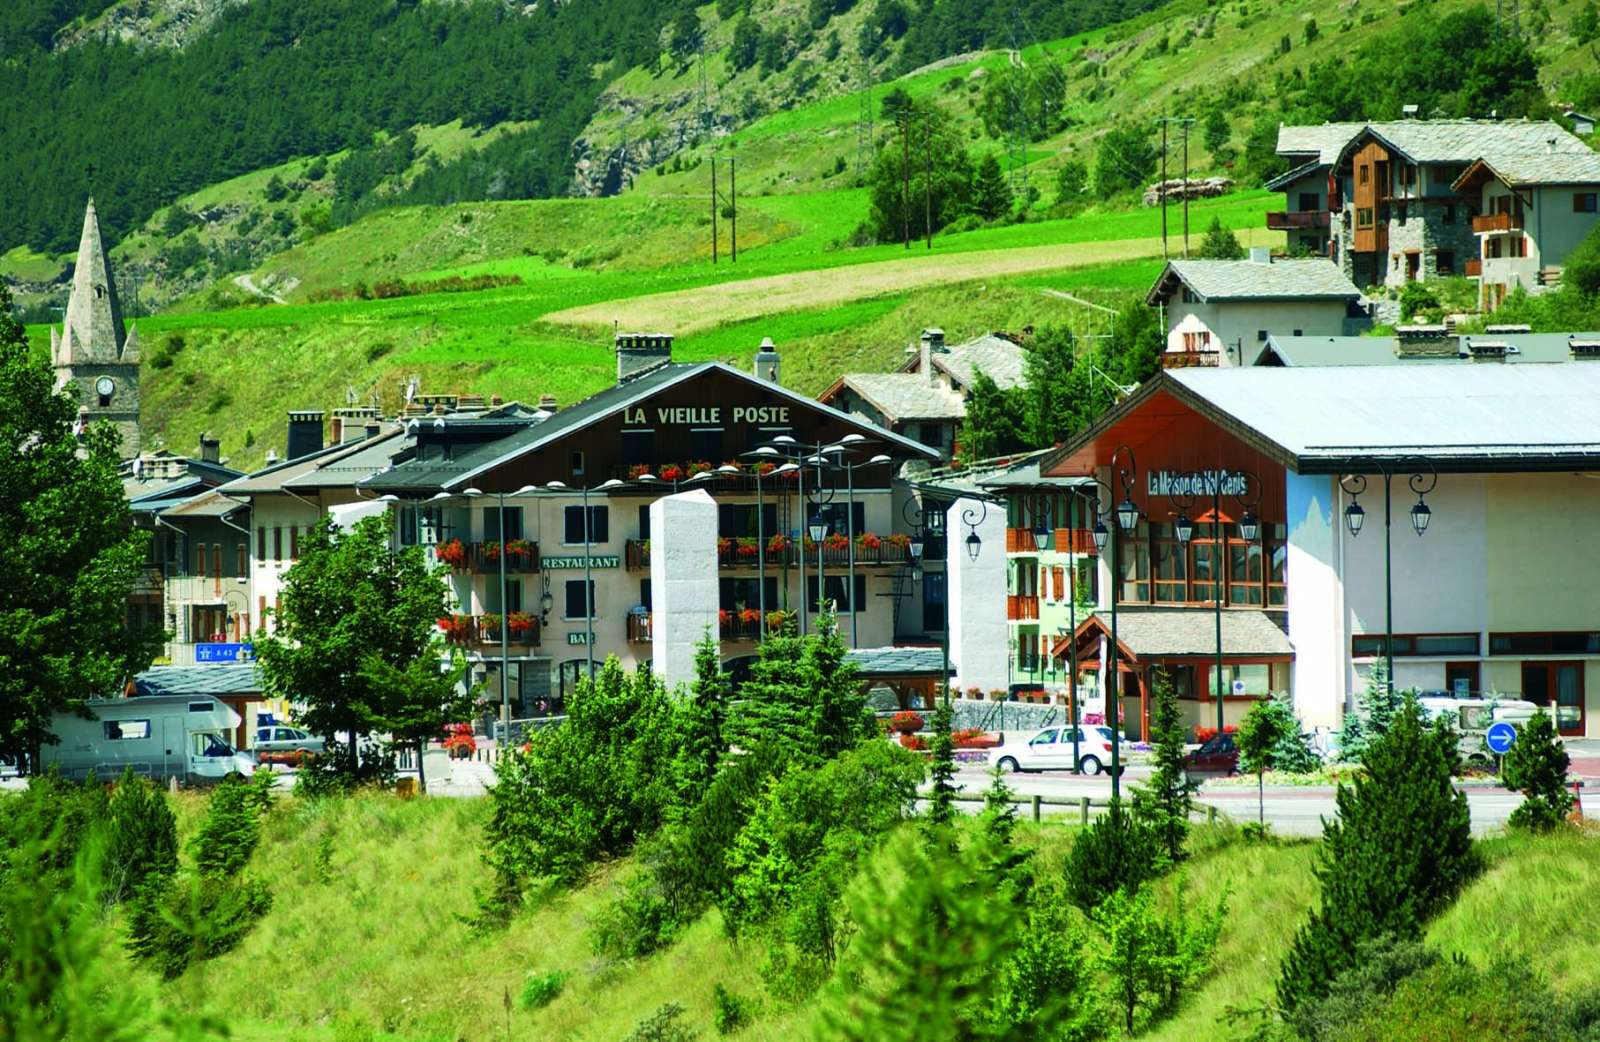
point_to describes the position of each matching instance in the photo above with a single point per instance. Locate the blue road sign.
(1500, 737)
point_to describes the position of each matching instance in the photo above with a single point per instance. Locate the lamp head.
(472, 491)
(1354, 518)
(608, 484)
(1249, 527)
(1101, 534)
(558, 486)
(916, 549)
(1041, 536)
(1185, 529)
(1127, 515)
(1420, 516)
(974, 545)
(526, 490)
(880, 458)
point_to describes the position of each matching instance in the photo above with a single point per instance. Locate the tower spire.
(93, 330)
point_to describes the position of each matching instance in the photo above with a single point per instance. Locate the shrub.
(1452, 999)
(636, 922)
(541, 989)
(1536, 766)
(1381, 964)
(1416, 299)
(1117, 851)
(730, 1010)
(662, 1026)
(142, 836)
(230, 831)
(1148, 959)
(1398, 852)
(175, 922)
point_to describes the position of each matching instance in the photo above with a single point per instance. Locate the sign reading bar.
(595, 561)
(1196, 483)
(707, 415)
(581, 637)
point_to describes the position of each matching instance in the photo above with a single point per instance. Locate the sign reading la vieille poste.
(707, 415)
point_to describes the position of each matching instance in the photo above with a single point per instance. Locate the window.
(836, 592)
(644, 520)
(277, 543)
(495, 521)
(580, 599)
(294, 542)
(738, 594)
(1188, 295)
(1364, 217)
(706, 444)
(599, 525)
(242, 561)
(933, 601)
(1585, 202)
(1461, 678)
(261, 542)
(837, 515)
(1255, 680)
(1261, 336)
(1364, 173)
(200, 559)
(127, 730)
(1299, 332)
(491, 597)
(199, 707)
(1415, 644)
(638, 446)
(1565, 643)
(577, 464)
(1309, 202)
(1445, 261)
(738, 520)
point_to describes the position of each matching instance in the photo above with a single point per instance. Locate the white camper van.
(159, 736)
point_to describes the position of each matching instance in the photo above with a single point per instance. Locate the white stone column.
(1314, 575)
(975, 596)
(683, 581)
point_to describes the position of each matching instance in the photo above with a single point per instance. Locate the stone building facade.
(94, 352)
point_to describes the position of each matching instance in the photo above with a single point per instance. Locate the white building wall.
(979, 652)
(1315, 603)
(1237, 327)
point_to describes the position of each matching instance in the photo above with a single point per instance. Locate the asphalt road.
(1291, 810)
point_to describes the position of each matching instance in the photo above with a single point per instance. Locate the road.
(1291, 810)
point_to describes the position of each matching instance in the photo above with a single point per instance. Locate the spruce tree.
(1164, 803)
(1220, 243)
(1397, 854)
(942, 766)
(1376, 705)
(705, 718)
(773, 708)
(991, 194)
(1536, 766)
(142, 836)
(837, 700)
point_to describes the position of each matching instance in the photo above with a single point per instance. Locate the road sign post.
(1500, 737)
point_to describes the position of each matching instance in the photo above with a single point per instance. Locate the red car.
(1218, 756)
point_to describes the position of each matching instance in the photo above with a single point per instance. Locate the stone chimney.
(350, 424)
(931, 343)
(210, 449)
(305, 432)
(1487, 350)
(1425, 342)
(1584, 350)
(639, 353)
(768, 365)
(547, 402)
(1261, 255)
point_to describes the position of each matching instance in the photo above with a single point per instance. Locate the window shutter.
(294, 542)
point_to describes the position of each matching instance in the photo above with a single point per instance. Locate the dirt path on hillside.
(246, 283)
(685, 311)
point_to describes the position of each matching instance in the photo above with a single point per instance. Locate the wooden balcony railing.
(1283, 221)
(1189, 359)
(1020, 607)
(1474, 269)
(1497, 222)
(1075, 541)
(1020, 541)
(639, 627)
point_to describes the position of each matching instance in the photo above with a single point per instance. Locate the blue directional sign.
(223, 652)
(1500, 737)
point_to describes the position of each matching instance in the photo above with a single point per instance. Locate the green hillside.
(371, 944)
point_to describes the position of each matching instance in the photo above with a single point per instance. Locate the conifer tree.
(991, 194)
(1220, 243)
(705, 720)
(1165, 802)
(1536, 766)
(773, 710)
(142, 836)
(839, 716)
(1398, 852)
(1376, 705)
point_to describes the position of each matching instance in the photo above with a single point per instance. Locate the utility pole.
(713, 208)
(1186, 124)
(927, 217)
(905, 170)
(1161, 190)
(733, 205)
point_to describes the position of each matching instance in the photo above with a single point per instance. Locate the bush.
(1117, 851)
(1381, 964)
(662, 1026)
(230, 831)
(1398, 853)
(730, 1010)
(541, 989)
(1582, 267)
(142, 836)
(1416, 299)
(1150, 959)
(175, 922)
(636, 922)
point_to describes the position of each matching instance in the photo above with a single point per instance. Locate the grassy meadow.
(366, 938)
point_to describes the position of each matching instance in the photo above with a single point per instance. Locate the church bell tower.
(92, 350)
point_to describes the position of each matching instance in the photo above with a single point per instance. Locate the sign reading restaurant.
(1196, 483)
(708, 416)
(594, 561)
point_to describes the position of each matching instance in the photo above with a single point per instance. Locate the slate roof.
(1465, 140)
(1559, 168)
(999, 358)
(214, 503)
(1172, 632)
(1024, 473)
(1478, 417)
(907, 396)
(228, 679)
(1215, 280)
(1323, 140)
(1288, 178)
(1374, 350)
(896, 661)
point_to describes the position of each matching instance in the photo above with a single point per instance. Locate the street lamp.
(1420, 483)
(1127, 515)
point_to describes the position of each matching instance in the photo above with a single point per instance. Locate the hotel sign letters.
(707, 415)
(1196, 483)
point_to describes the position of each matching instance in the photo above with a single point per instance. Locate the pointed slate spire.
(93, 330)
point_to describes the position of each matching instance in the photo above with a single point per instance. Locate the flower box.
(521, 622)
(906, 722)
(868, 541)
(452, 553)
(750, 616)
(777, 620)
(671, 472)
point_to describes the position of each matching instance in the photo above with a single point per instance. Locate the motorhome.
(158, 736)
(1471, 717)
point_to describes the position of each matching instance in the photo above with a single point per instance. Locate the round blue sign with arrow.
(1500, 737)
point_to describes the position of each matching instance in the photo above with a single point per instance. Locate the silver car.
(276, 743)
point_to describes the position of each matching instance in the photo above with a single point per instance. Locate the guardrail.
(1084, 803)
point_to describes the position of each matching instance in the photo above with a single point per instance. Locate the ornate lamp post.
(1420, 483)
(1123, 469)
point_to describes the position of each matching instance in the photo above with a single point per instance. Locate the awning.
(1162, 634)
(892, 662)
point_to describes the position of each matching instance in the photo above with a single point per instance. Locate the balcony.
(483, 631)
(521, 556)
(1021, 608)
(1497, 222)
(1284, 221)
(871, 550)
(639, 628)
(1075, 541)
(1190, 359)
(1474, 269)
(743, 626)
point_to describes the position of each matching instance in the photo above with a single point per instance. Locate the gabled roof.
(472, 460)
(1000, 358)
(905, 396)
(1284, 180)
(1161, 633)
(1524, 348)
(874, 663)
(214, 503)
(1220, 280)
(1323, 141)
(276, 477)
(1557, 168)
(179, 681)
(1467, 140)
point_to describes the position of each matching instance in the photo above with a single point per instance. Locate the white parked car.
(1051, 749)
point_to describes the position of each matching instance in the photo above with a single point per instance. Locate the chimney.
(1487, 350)
(305, 432)
(1425, 342)
(1584, 349)
(639, 353)
(768, 364)
(350, 424)
(1261, 255)
(210, 449)
(547, 402)
(373, 428)
(931, 343)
